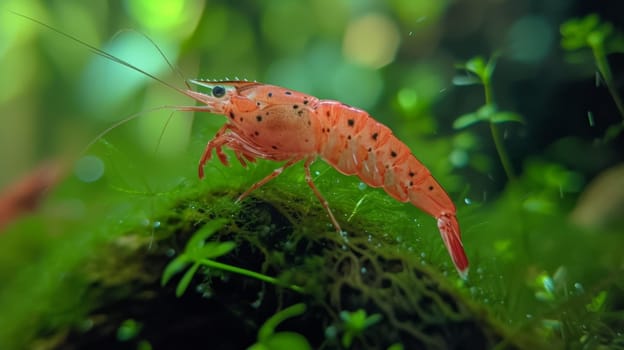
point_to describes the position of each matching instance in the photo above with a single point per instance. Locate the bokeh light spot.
(89, 169)
(357, 86)
(172, 16)
(371, 40)
(530, 39)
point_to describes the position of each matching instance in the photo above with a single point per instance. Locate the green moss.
(281, 235)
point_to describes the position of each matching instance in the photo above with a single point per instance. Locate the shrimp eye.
(218, 91)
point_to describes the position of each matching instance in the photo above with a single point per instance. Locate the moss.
(279, 235)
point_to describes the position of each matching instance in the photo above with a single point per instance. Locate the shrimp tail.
(449, 229)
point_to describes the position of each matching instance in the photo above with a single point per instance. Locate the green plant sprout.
(200, 253)
(128, 330)
(355, 323)
(269, 340)
(589, 32)
(481, 73)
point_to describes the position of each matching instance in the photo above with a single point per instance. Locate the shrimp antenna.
(124, 121)
(174, 68)
(105, 54)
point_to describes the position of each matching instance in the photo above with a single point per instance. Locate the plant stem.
(605, 71)
(249, 273)
(496, 136)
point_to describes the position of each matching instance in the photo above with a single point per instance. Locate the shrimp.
(278, 124)
(271, 122)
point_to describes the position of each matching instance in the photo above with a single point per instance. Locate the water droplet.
(579, 288)
(156, 224)
(468, 201)
(344, 235)
(170, 252)
(363, 270)
(422, 255)
(362, 186)
(317, 173)
(369, 239)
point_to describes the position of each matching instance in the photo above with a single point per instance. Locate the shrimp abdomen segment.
(356, 144)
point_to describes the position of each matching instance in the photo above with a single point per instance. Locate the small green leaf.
(396, 346)
(269, 325)
(176, 265)
(128, 330)
(371, 320)
(503, 117)
(486, 111)
(286, 341)
(597, 303)
(489, 68)
(355, 323)
(203, 233)
(213, 250)
(476, 65)
(186, 280)
(465, 121)
(575, 32)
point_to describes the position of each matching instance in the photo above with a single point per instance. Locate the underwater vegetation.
(516, 109)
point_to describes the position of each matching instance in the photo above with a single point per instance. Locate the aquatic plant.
(589, 32)
(481, 73)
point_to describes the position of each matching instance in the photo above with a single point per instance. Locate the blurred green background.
(401, 60)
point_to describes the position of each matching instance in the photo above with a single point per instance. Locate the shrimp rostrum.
(271, 122)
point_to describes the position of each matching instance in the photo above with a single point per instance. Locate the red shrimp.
(271, 122)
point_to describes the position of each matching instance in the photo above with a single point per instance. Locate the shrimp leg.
(216, 143)
(308, 178)
(230, 139)
(268, 178)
